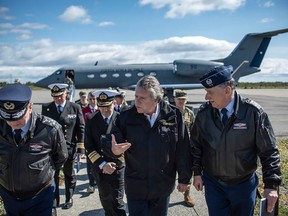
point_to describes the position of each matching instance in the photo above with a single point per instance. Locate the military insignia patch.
(9, 106)
(240, 126)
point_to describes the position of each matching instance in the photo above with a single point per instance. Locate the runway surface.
(274, 102)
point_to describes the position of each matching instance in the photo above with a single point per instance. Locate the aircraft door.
(69, 74)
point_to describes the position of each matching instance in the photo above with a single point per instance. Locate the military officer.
(120, 102)
(188, 114)
(32, 146)
(70, 117)
(108, 172)
(188, 117)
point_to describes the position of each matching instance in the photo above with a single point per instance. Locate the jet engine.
(188, 67)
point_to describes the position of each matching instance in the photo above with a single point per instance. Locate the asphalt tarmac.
(274, 102)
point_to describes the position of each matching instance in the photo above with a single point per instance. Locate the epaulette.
(203, 106)
(49, 121)
(253, 103)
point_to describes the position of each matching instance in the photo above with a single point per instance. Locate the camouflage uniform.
(188, 117)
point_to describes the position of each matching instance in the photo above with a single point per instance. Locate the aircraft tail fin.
(250, 50)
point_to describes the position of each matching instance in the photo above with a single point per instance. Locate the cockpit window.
(58, 72)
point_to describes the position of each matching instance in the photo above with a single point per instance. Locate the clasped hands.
(109, 168)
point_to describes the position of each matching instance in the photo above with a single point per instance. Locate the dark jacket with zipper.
(230, 153)
(156, 152)
(28, 167)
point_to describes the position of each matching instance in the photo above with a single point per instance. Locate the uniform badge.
(9, 106)
(240, 126)
(35, 147)
(71, 116)
(209, 82)
(168, 124)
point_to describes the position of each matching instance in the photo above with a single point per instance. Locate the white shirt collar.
(154, 116)
(230, 108)
(62, 105)
(109, 117)
(93, 108)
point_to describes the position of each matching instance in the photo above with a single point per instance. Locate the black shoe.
(54, 212)
(68, 204)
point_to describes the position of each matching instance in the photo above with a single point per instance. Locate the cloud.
(266, 20)
(107, 23)
(75, 14)
(3, 14)
(181, 8)
(22, 30)
(35, 60)
(34, 26)
(268, 4)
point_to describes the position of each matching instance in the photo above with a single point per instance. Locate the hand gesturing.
(120, 148)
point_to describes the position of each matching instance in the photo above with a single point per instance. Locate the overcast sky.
(38, 37)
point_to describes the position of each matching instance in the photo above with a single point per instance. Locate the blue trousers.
(230, 200)
(40, 204)
(154, 207)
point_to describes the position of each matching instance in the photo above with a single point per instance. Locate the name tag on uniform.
(240, 126)
(71, 116)
(35, 147)
(168, 124)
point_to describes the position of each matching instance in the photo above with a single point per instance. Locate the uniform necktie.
(59, 109)
(224, 116)
(106, 121)
(17, 135)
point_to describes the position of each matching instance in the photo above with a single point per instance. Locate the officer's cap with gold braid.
(105, 97)
(57, 89)
(13, 101)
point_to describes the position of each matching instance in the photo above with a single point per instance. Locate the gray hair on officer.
(152, 85)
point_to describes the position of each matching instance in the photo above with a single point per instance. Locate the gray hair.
(152, 85)
(232, 83)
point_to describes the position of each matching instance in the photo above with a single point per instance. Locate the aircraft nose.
(42, 83)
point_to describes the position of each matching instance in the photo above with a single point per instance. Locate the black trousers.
(111, 192)
(89, 167)
(70, 178)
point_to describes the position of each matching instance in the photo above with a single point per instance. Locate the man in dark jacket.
(69, 116)
(156, 147)
(228, 136)
(32, 147)
(108, 172)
